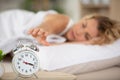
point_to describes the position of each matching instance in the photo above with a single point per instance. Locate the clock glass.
(25, 63)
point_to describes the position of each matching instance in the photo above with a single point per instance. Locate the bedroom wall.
(10, 4)
(72, 8)
(115, 9)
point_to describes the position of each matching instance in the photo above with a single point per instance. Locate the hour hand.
(27, 63)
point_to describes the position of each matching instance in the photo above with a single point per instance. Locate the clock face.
(25, 63)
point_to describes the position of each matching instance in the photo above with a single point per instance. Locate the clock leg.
(35, 76)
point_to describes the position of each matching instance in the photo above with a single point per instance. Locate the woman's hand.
(40, 35)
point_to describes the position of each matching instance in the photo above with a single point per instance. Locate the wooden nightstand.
(42, 75)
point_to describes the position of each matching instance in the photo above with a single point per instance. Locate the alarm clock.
(25, 61)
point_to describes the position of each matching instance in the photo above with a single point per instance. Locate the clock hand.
(28, 63)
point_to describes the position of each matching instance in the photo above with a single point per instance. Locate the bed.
(85, 61)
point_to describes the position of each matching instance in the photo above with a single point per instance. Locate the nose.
(79, 32)
(80, 35)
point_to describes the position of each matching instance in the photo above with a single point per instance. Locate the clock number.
(26, 55)
(19, 59)
(30, 70)
(18, 63)
(22, 70)
(22, 56)
(26, 71)
(19, 67)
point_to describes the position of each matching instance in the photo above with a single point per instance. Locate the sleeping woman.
(91, 29)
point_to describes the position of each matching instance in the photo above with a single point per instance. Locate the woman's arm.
(52, 24)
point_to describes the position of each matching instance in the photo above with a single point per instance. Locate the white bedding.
(15, 23)
(52, 57)
(56, 57)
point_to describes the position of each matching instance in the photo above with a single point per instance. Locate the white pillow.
(78, 58)
(91, 66)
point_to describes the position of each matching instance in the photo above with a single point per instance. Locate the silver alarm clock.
(25, 61)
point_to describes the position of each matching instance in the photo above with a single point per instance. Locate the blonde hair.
(109, 29)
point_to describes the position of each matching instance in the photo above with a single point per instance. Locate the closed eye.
(87, 36)
(83, 25)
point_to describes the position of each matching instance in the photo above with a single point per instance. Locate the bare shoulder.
(57, 22)
(57, 17)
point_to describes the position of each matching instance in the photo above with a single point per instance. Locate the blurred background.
(73, 8)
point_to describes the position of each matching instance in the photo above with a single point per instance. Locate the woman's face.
(84, 30)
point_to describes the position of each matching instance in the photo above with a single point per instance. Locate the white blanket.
(15, 23)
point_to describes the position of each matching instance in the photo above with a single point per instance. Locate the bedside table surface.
(42, 75)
